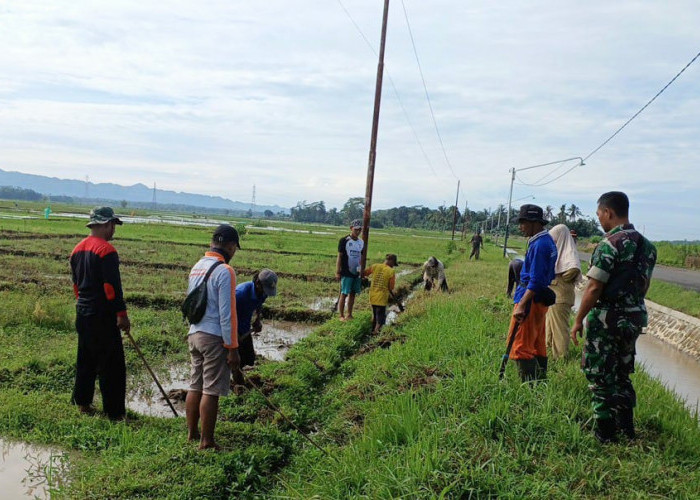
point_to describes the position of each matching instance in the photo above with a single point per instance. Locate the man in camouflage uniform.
(613, 304)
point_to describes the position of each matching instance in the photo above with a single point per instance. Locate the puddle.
(323, 304)
(31, 471)
(272, 343)
(405, 271)
(277, 337)
(286, 229)
(147, 399)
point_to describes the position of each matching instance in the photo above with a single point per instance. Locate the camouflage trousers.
(608, 360)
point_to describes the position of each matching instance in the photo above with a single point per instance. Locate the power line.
(393, 86)
(642, 109)
(427, 95)
(606, 141)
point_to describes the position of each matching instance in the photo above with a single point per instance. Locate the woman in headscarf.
(567, 272)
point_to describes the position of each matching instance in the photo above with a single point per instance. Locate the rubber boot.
(527, 368)
(606, 430)
(625, 421)
(541, 367)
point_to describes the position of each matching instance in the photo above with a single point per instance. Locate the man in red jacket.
(100, 315)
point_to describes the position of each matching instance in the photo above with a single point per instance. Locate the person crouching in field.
(347, 268)
(567, 272)
(213, 340)
(250, 297)
(434, 270)
(532, 296)
(383, 282)
(100, 314)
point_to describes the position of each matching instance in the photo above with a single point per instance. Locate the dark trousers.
(100, 355)
(378, 317)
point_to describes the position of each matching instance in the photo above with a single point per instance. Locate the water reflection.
(31, 471)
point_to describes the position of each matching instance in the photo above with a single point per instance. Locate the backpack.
(195, 304)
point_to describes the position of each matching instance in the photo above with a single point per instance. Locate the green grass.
(414, 412)
(675, 297)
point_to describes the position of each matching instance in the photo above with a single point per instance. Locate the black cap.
(532, 213)
(225, 233)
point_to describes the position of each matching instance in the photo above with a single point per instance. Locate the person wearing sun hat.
(533, 296)
(100, 315)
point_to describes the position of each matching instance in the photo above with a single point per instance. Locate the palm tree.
(562, 214)
(574, 212)
(549, 212)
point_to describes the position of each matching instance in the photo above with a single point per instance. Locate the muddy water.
(30, 471)
(673, 368)
(272, 343)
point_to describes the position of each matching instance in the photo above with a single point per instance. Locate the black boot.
(541, 367)
(606, 430)
(527, 368)
(624, 418)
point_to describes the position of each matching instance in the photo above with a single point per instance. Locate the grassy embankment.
(428, 418)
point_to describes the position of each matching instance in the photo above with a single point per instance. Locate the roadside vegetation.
(674, 296)
(416, 411)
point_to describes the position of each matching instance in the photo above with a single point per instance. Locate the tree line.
(440, 218)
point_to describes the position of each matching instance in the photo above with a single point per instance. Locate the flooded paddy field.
(37, 361)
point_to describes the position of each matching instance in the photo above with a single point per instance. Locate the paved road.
(686, 278)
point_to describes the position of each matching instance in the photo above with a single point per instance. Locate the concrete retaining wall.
(675, 328)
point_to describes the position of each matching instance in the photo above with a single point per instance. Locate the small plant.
(596, 239)
(241, 229)
(451, 247)
(39, 314)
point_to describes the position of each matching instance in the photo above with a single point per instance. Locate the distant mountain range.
(138, 193)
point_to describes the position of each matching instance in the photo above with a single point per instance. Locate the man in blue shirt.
(533, 296)
(250, 297)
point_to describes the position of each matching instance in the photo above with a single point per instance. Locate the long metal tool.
(275, 408)
(162, 391)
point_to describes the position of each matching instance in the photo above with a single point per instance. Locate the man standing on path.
(100, 315)
(613, 305)
(532, 296)
(477, 244)
(213, 342)
(250, 297)
(347, 268)
(383, 282)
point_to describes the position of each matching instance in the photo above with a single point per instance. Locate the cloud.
(216, 97)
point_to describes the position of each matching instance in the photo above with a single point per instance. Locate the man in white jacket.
(213, 341)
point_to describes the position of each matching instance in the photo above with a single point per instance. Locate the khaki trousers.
(557, 323)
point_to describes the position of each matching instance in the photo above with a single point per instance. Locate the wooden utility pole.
(454, 212)
(366, 216)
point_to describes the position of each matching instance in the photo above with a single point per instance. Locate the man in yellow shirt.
(383, 281)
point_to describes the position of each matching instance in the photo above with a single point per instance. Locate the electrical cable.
(393, 86)
(606, 141)
(427, 95)
(642, 109)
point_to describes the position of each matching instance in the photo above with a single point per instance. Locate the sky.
(215, 97)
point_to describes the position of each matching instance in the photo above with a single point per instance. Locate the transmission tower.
(252, 203)
(87, 186)
(154, 196)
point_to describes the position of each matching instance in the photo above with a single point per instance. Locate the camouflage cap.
(102, 215)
